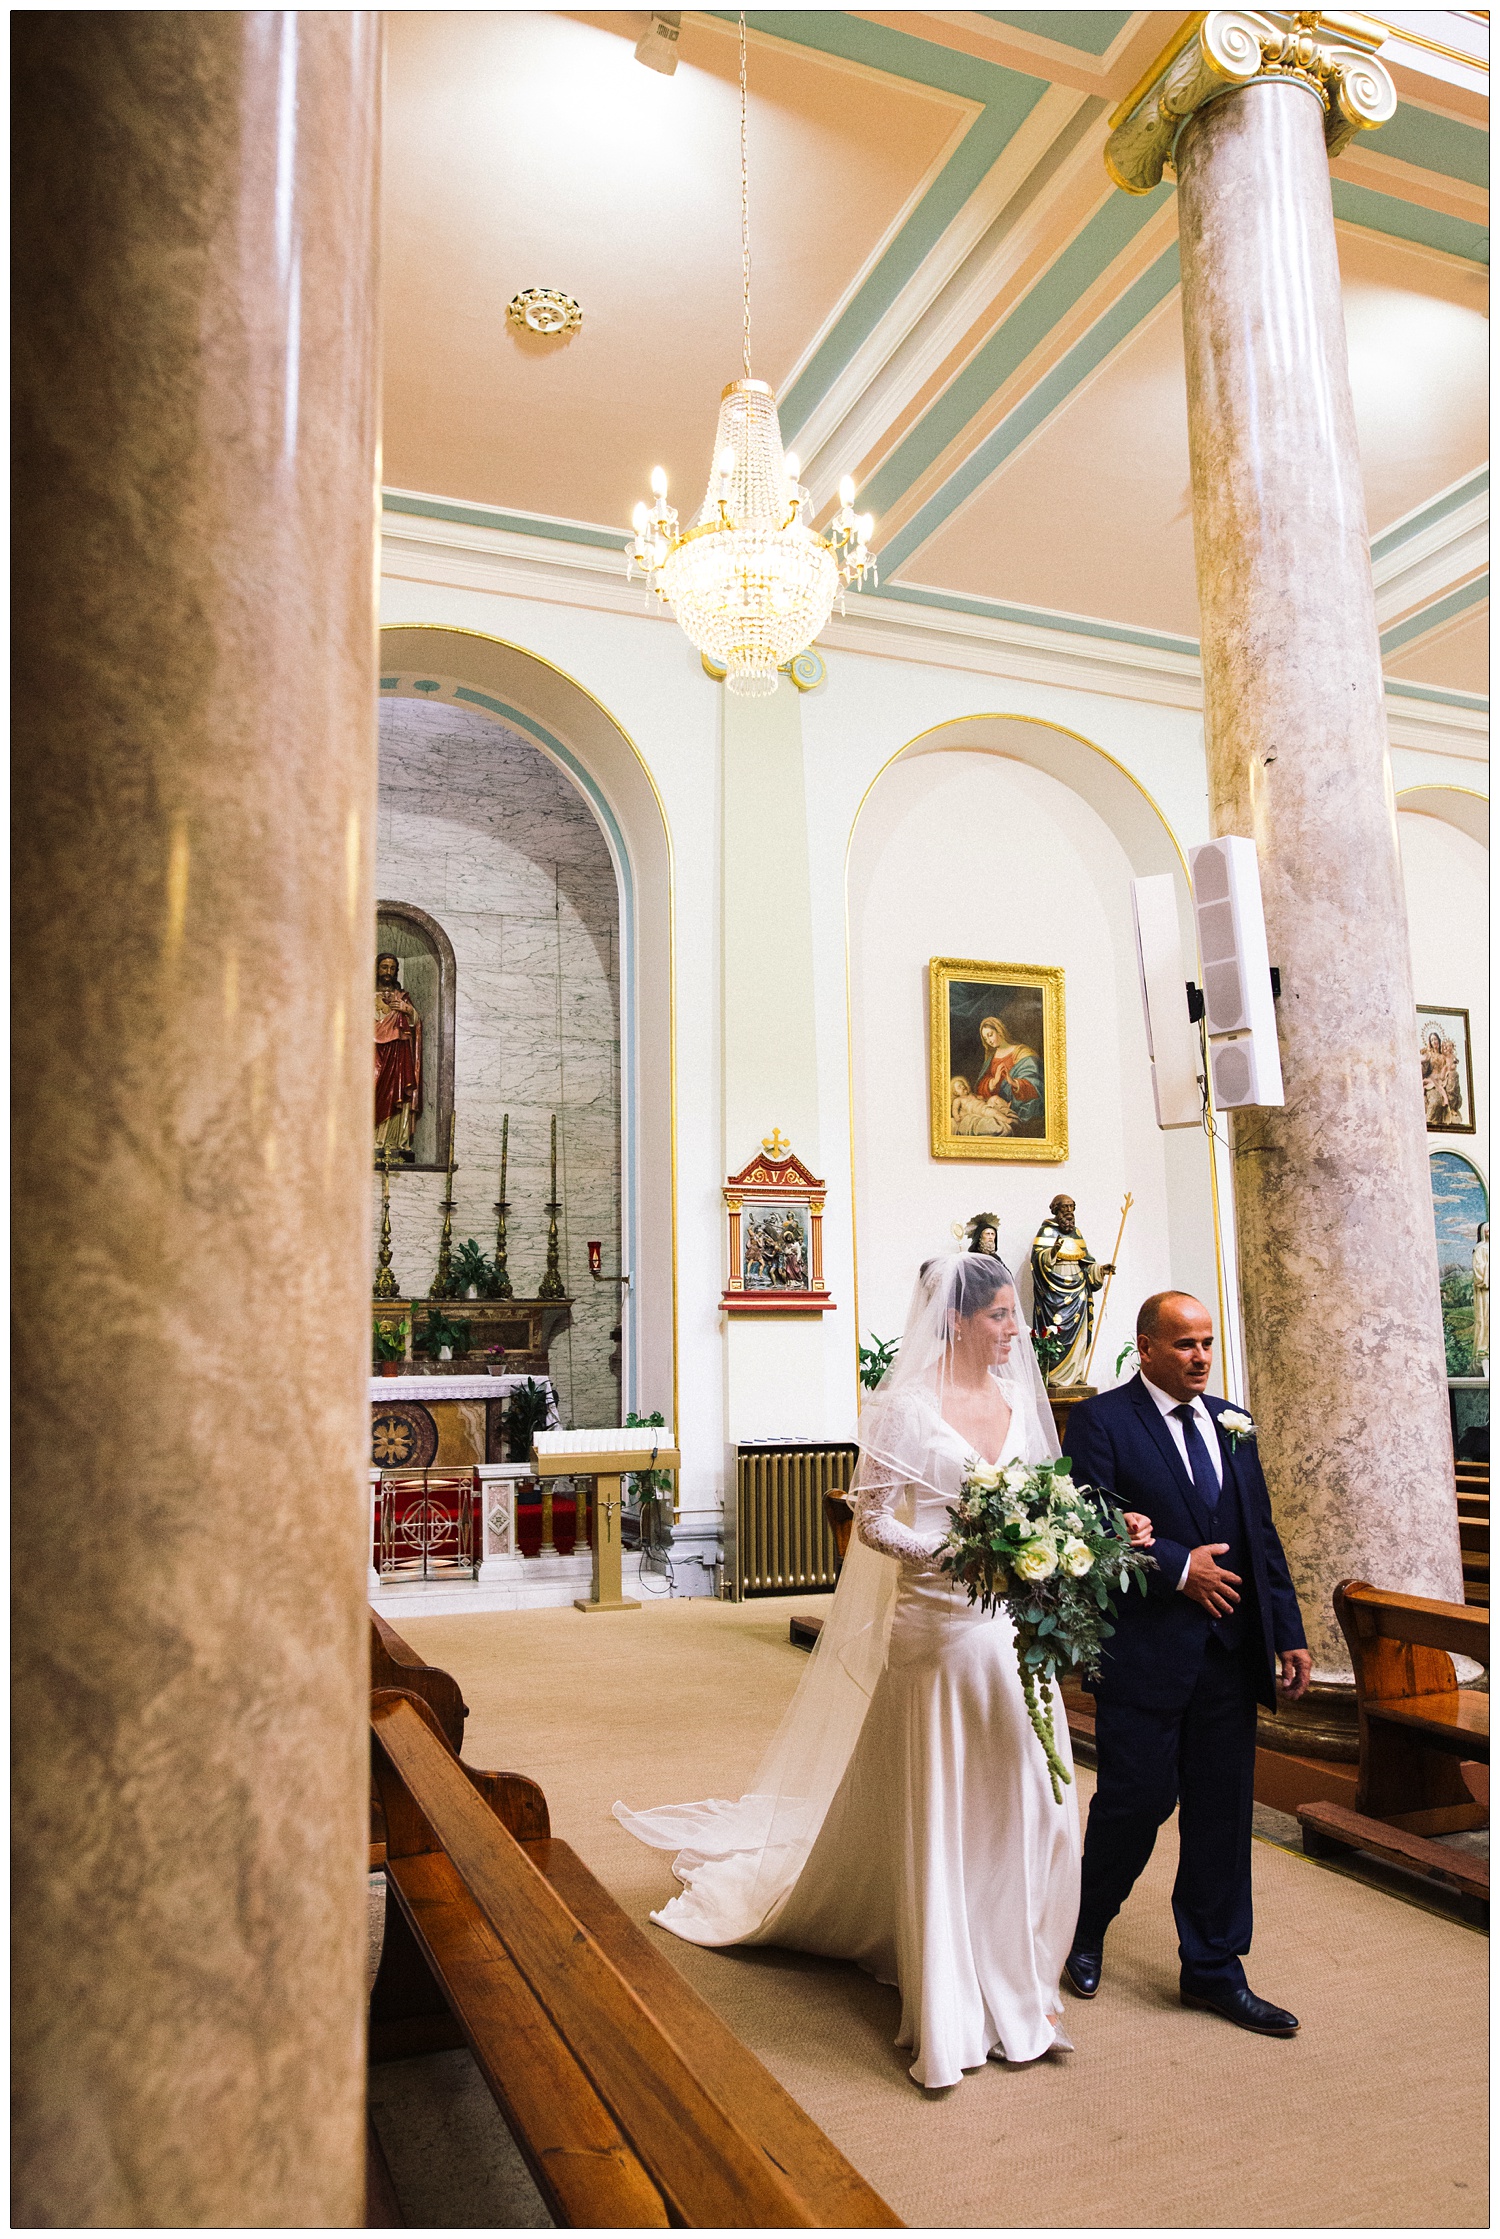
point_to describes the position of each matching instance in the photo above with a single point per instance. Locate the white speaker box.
(1244, 1057)
(1171, 1036)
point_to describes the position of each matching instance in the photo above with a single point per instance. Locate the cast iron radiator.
(779, 1540)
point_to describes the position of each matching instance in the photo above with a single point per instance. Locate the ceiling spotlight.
(545, 311)
(657, 45)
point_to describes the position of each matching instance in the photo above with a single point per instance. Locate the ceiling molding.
(859, 392)
(1430, 511)
(1402, 637)
(925, 304)
(1069, 652)
(1076, 348)
(1432, 562)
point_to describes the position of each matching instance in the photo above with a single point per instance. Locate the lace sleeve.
(880, 1528)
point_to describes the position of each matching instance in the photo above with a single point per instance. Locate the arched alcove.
(1008, 840)
(1444, 834)
(527, 697)
(1467, 811)
(424, 956)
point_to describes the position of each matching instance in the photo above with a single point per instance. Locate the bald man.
(1188, 1663)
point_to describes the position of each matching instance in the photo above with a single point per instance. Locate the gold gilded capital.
(1331, 55)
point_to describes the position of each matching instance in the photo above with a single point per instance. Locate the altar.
(441, 1422)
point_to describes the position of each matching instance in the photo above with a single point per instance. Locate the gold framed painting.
(998, 1055)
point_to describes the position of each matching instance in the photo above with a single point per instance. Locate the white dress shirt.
(1177, 1432)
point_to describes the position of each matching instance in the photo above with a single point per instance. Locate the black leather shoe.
(1083, 1967)
(1239, 2004)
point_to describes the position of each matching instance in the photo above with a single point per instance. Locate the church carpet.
(1375, 2116)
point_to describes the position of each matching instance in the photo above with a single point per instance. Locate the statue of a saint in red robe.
(398, 1063)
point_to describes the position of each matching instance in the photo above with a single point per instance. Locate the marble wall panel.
(480, 829)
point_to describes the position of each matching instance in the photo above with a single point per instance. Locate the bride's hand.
(1140, 1528)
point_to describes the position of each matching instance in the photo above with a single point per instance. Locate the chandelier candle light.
(750, 581)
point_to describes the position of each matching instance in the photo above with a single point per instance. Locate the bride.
(903, 1817)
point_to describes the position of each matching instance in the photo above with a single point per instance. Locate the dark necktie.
(1200, 1468)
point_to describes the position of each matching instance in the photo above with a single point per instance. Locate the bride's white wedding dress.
(945, 1866)
(904, 1818)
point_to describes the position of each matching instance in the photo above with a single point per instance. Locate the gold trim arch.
(1461, 806)
(1151, 846)
(508, 683)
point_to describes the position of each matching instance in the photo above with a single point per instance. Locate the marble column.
(194, 659)
(1337, 1259)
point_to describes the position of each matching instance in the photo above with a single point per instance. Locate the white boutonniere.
(1235, 1426)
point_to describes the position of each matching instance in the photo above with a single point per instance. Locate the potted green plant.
(441, 1339)
(389, 1348)
(651, 1489)
(875, 1358)
(471, 1269)
(526, 1412)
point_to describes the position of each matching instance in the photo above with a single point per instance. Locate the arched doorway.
(502, 697)
(1005, 839)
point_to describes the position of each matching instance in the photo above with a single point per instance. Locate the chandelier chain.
(744, 193)
(750, 581)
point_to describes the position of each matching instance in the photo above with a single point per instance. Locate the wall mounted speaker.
(1171, 1036)
(1244, 1057)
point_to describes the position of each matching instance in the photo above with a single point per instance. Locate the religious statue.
(1441, 1090)
(1064, 1279)
(983, 1232)
(1481, 1266)
(398, 1063)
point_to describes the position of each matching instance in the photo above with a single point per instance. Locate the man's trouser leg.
(1135, 1792)
(1216, 1785)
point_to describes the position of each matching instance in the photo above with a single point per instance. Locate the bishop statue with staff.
(1064, 1279)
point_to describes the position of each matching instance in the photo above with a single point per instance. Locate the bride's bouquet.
(1025, 1538)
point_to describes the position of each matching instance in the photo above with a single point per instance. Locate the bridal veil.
(739, 1861)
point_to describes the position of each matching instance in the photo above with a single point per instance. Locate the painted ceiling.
(950, 298)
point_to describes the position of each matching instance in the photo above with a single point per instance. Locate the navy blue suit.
(1178, 1691)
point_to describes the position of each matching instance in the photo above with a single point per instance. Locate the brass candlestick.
(443, 1284)
(385, 1281)
(500, 1285)
(551, 1284)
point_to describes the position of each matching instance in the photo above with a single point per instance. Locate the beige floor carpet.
(1376, 2115)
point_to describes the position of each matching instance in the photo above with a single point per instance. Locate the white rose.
(1037, 1559)
(1015, 1477)
(1237, 1425)
(985, 1477)
(1076, 1559)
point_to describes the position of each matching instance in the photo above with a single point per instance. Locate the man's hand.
(1142, 1531)
(1296, 1673)
(1211, 1588)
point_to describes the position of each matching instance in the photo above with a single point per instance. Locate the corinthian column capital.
(1331, 55)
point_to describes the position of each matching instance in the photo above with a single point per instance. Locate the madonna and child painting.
(999, 1085)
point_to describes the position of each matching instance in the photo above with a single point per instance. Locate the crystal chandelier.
(751, 582)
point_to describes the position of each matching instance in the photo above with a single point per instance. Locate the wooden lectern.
(604, 1455)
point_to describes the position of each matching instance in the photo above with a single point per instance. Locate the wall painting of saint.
(998, 1059)
(1447, 1068)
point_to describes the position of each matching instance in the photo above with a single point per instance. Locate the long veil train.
(739, 1861)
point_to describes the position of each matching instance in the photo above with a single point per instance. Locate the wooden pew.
(395, 1663)
(1416, 1727)
(1473, 1486)
(633, 2104)
(804, 1631)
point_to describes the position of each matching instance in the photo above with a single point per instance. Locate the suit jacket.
(1119, 1442)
